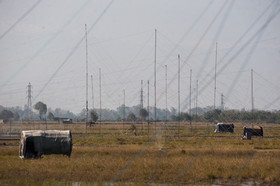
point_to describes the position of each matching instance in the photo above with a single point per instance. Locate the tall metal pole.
(196, 99)
(252, 95)
(190, 97)
(92, 96)
(179, 109)
(148, 109)
(141, 95)
(86, 78)
(100, 99)
(215, 78)
(165, 93)
(29, 103)
(222, 102)
(165, 103)
(155, 81)
(123, 107)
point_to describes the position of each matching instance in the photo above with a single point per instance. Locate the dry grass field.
(111, 154)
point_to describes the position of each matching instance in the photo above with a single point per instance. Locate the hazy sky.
(42, 42)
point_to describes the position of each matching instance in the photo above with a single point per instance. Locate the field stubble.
(112, 154)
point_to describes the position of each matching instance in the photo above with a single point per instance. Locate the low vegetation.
(114, 154)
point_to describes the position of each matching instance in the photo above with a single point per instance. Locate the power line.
(48, 42)
(74, 49)
(20, 19)
(241, 49)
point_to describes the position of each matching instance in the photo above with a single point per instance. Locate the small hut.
(35, 143)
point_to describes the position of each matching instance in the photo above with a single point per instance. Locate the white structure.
(34, 143)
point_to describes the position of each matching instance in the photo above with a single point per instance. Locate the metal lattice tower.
(29, 103)
(141, 95)
(222, 102)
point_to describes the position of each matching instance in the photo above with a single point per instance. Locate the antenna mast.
(190, 97)
(252, 95)
(148, 109)
(100, 99)
(155, 79)
(215, 86)
(141, 95)
(86, 78)
(196, 99)
(123, 107)
(165, 93)
(222, 102)
(179, 110)
(92, 92)
(29, 104)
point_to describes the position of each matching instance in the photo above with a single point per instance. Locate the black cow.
(224, 127)
(248, 132)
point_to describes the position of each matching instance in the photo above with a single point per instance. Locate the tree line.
(134, 113)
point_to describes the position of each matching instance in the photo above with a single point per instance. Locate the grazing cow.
(224, 127)
(35, 143)
(248, 132)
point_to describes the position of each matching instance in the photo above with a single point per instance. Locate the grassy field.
(111, 153)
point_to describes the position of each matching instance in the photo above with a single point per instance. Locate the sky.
(43, 43)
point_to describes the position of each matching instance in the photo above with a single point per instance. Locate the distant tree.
(6, 114)
(93, 116)
(143, 113)
(131, 117)
(174, 117)
(50, 116)
(42, 108)
(16, 116)
(185, 117)
(212, 115)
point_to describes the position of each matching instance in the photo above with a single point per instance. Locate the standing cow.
(224, 127)
(248, 132)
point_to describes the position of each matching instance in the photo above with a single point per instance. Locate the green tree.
(16, 116)
(212, 115)
(185, 117)
(50, 116)
(93, 116)
(131, 117)
(42, 108)
(143, 113)
(6, 114)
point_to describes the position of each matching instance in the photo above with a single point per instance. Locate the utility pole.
(141, 95)
(29, 103)
(86, 79)
(92, 96)
(165, 94)
(196, 99)
(165, 104)
(155, 81)
(100, 99)
(222, 102)
(179, 109)
(148, 109)
(191, 97)
(215, 78)
(252, 96)
(123, 107)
